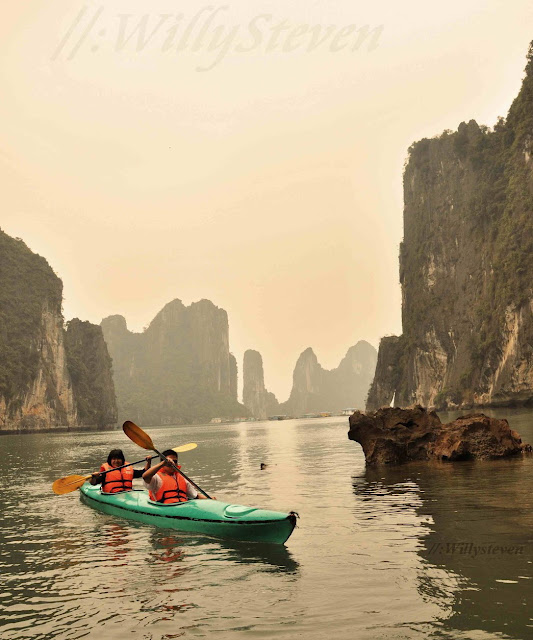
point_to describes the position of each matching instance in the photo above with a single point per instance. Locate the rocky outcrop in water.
(466, 268)
(255, 397)
(395, 436)
(315, 389)
(179, 370)
(36, 389)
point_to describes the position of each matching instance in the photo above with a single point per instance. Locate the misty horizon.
(270, 184)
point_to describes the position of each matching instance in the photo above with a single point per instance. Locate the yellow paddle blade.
(68, 484)
(137, 435)
(185, 447)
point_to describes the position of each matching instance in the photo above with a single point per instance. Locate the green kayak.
(210, 517)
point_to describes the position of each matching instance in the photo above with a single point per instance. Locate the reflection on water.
(476, 552)
(172, 548)
(373, 555)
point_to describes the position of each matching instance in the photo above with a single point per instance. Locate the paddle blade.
(137, 435)
(68, 484)
(185, 447)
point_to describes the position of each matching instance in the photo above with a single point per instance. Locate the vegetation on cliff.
(48, 377)
(89, 366)
(466, 266)
(28, 285)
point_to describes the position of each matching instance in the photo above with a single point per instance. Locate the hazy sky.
(247, 152)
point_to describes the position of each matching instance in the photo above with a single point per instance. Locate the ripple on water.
(363, 562)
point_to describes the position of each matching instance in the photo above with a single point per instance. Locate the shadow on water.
(475, 539)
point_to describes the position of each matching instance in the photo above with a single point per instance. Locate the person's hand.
(148, 463)
(169, 463)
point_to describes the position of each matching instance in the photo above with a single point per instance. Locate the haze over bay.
(270, 185)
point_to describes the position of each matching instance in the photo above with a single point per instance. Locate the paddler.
(118, 480)
(167, 486)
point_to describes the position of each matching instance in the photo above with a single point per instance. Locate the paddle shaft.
(102, 473)
(181, 472)
(128, 465)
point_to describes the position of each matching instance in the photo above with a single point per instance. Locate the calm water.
(373, 555)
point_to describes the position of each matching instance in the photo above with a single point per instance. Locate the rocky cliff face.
(466, 268)
(316, 389)
(89, 366)
(36, 390)
(255, 397)
(233, 377)
(179, 370)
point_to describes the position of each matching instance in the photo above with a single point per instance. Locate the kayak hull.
(209, 517)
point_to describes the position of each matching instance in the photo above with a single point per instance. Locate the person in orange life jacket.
(121, 479)
(165, 485)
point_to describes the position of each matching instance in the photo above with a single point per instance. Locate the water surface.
(441, 550)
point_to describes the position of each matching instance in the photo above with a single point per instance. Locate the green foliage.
(28, 286)
(89, 366)
(469, 210)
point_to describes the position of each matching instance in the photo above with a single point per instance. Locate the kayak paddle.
(141, 438)
(71, 483)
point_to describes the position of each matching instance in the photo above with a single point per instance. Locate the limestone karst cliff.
(36, 390)
(255, 397)
(466, 268)
(179, 370)
(315, 389)
(89, 367)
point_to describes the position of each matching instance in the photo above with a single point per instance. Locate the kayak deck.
(210, 517)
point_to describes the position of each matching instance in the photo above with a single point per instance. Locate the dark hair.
(115, 453)
(169, 452)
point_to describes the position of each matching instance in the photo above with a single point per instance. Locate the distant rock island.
(314, 389)
(466, 269)
(179, 370)
(260, 402)
(49, 377)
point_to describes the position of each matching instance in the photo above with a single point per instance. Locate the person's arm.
(150, 473)
(96, 478)
(192, 494)
(138, 473)
(154, 485)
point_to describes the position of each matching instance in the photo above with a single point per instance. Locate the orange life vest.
(173, 488)
(116, 480)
